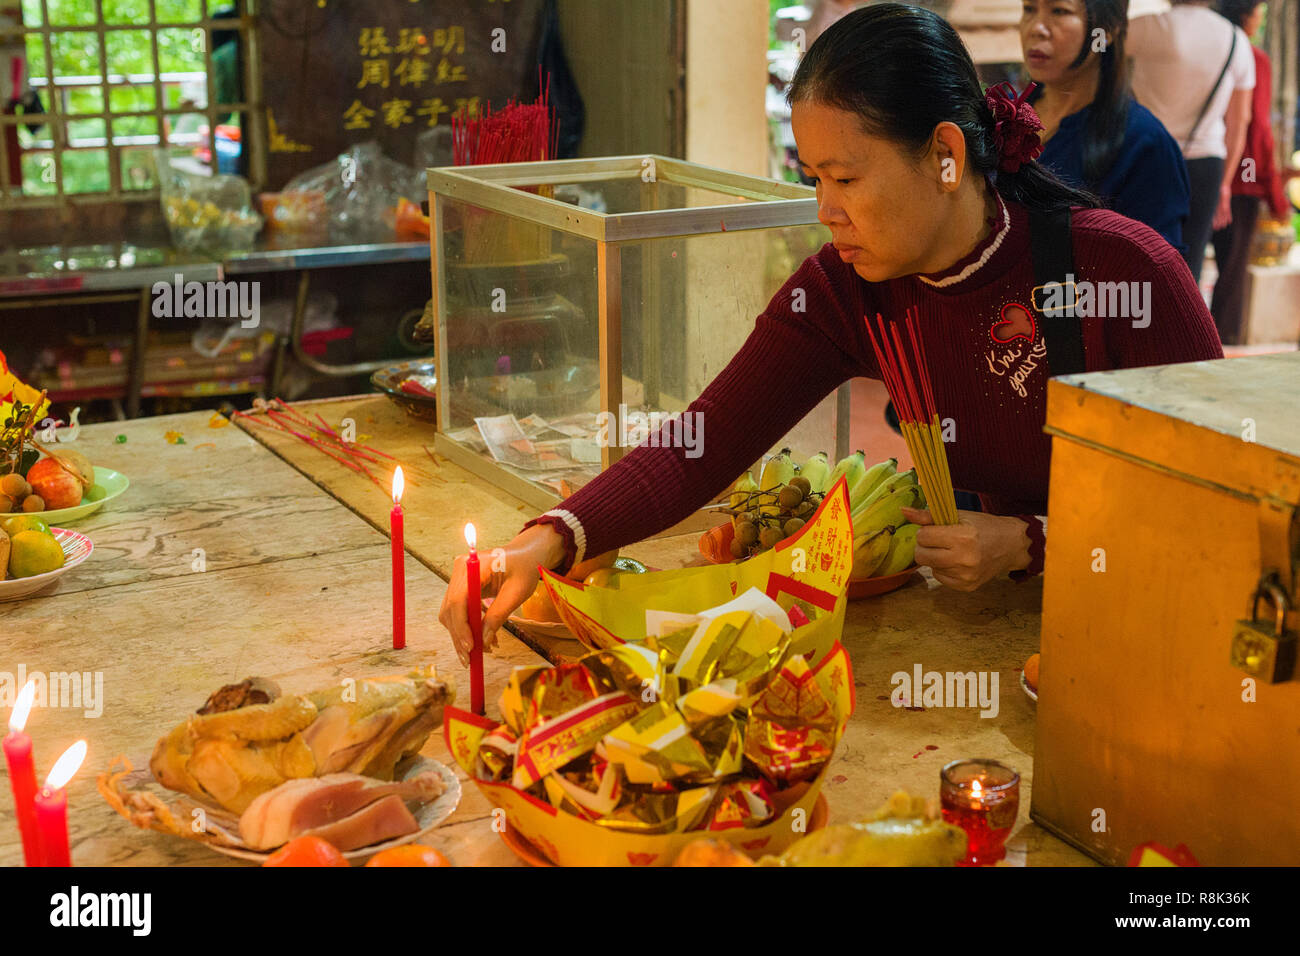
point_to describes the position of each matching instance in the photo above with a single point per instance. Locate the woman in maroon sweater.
(926, 186)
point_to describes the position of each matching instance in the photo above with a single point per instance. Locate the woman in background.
(1194, 71)
(1095, 136)
(1259, 180)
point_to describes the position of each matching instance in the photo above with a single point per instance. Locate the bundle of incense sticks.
(918, 418)
(279, 415)
(520, 133)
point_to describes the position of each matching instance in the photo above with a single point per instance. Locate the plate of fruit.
(62, 487)
(785, 496)
(1029, 678)
(33, 555)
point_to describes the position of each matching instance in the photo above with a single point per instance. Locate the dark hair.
(903, 70)
(1108, 118)
(1236, 11)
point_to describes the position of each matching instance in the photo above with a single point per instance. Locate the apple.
(58, 487)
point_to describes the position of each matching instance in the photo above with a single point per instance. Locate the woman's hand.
(539, 545)
(1223, 211)
(972, 552)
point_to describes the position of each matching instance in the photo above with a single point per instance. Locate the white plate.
(222, 827)
(427, 815)
(76, 548)
(1029, 691)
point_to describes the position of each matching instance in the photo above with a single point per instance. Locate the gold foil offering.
(787, 754)
(712, 726)
(553, 743)
(742, 803)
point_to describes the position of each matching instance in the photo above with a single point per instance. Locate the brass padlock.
(1264, 651)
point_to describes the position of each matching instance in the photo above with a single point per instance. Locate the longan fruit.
(15, 486)
(791, 526)
(768, 537)
(790, 497)
(802, 483)
(33, 503)
(746, 533)
(738, 550)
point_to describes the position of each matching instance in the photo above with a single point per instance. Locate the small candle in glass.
(982, 797)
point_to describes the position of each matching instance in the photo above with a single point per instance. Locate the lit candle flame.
(399, 485)
(22, 707)
(471, 536)
(66, 766)
(975, 787)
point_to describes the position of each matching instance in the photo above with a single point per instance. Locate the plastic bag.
(209, 211)
(352, 198)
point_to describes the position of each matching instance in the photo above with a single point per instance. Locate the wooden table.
(295, 587)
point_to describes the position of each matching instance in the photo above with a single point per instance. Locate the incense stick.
(907, 379)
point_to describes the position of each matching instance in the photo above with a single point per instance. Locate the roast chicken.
(249, 739)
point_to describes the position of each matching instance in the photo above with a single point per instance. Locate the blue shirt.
(1147, 181)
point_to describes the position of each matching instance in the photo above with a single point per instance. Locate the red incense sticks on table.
(279, 415)
(907, 378)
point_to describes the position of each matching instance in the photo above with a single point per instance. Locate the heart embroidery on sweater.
(1016, 323)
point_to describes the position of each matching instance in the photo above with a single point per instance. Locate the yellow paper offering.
(718, 718)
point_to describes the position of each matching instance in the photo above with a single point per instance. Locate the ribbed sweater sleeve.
(804, 345)
(1177, 327)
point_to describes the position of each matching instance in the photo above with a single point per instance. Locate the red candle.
(475, 597)
(399, 563)
(22, 772)
(52, 807)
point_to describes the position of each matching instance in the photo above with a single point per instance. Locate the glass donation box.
(579, 304)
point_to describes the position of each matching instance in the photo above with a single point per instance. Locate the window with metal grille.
(93, 89)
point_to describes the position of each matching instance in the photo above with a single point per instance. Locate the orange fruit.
(539, 607)
(602, 577)
(1031, 673)
(306, 851)
(580, 571)
(412, 854)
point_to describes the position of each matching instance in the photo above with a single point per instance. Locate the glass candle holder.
(982, 797)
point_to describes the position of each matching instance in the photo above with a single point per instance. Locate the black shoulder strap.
(1232, 48)
(1053, 256)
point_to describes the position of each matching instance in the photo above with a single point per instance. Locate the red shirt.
(1266, 183)
(996, 394)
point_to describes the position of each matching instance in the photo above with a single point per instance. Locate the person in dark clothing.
(1095, 135)
(1194, 71)
(1259, 182)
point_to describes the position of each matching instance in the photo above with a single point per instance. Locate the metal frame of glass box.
(772, 204)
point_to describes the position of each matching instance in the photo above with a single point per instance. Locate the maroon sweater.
(995, 393)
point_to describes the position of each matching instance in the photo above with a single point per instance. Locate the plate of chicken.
(254, 768)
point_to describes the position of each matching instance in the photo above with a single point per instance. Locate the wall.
(627, 61)
(726, 73)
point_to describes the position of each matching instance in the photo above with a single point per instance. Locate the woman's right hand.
(509, 586)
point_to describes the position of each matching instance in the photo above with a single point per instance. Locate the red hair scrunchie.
(1015, 126)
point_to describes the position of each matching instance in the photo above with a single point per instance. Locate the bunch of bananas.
(884, 542)
(776, 506)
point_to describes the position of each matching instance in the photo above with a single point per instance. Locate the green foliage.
(77, 53)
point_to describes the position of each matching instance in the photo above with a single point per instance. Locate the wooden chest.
(1173, 491)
